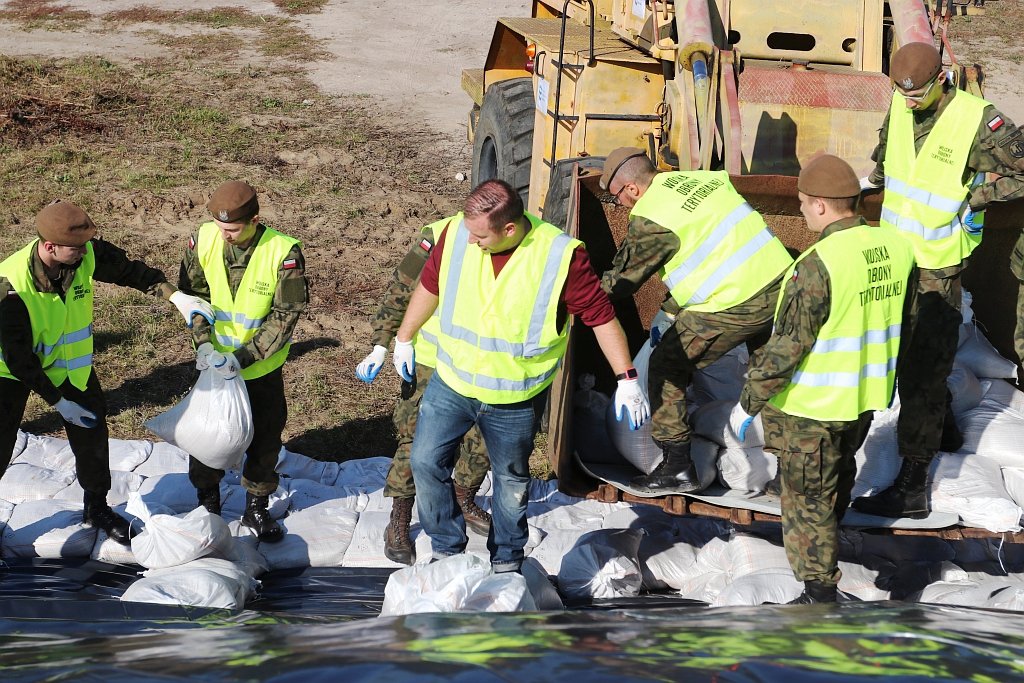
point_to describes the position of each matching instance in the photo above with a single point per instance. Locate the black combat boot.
(814, 592)
(257, 517)
(676, 471)
(477, 519)
(98, 514)
(210, 499)
(398, 546)
(907, 497)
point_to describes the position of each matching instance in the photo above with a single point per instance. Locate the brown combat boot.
(477, 519)
(398, 546)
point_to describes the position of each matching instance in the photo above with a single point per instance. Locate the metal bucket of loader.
(602, 227)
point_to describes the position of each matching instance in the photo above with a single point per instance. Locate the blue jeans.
(508, 430)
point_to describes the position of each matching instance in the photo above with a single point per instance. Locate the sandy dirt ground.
(347, 115)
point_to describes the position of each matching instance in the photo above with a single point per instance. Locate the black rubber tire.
(503, 142)
(556, 203)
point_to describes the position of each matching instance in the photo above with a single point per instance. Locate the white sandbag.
(47, 452)
(560, 528)
(978, 355)
(990, 591)
(122, 484)
(171, 540)
(707, 577)
(748, 554)
(366, 473)
(6, 510)
(47, 528)
(994, 431)
(636, 446)
(666, 562)
(770, 586)
(878, 459)
(1013, 482)
(303, 493)
(202, 583)
(602, 564)
(213, 422)
(454, 584)
(299, 466)
(746, 469)
(1004, 393)
(722, 380)
(174, 491)
(165, 458)
(127, 455)
(712, 421)
(965, 388)
(367, 546)
(972, 487)
(23, 482)
(861, 582)
(19, 445)
(318, 536)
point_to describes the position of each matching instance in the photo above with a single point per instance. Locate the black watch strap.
(628, 374)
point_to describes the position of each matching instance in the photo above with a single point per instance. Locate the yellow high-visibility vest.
(852, 366)
(61, 328)
(925, 192)
(238, 318)
(726, 252)
(498, 340)
(425, 341)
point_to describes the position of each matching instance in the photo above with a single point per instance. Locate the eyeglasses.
(922, 96)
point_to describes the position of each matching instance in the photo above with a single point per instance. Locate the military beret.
(64, 223)
(914, 65)
(614, 162)
(233, 201)
(828, 176)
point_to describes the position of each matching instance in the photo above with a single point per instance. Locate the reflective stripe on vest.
(498, 340)
(237, 318)
(726, 253)
(851, 368)
(925, 191)
(425, 341)
(62, 335)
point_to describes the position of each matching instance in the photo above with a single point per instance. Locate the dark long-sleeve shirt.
(291, 296)
(112, 265)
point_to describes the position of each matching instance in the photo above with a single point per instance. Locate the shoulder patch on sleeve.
(1014, 143)
(995, 123)
(290, 263)
(192, 242)
(426, 245)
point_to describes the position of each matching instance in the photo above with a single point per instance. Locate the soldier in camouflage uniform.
(284, 290)
(798, 378)
(701, 334)
(926, 423)
(472, 464)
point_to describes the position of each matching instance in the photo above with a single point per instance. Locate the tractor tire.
(556, 203)
(503, 143)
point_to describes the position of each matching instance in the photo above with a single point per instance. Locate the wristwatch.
(628, 374)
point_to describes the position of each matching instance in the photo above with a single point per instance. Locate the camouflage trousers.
(472, 464)
(695, 341)
(817, 472)
(928, 359)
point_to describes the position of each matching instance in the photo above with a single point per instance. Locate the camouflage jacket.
(403, 282)
(648, 246)
(112, 265)
(998, 148)
(804, 306)
(290, 297)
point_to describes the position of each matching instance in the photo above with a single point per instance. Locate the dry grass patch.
(42, 13)
(300, 6)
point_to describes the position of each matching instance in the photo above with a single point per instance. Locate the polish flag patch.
(995, 124)
(425, 245)
(192, 243)
(290, 263)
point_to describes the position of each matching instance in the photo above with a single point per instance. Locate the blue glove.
(739, 422)
(972, 222)
(190, 306)
(631, 402)
(655, 336)
(367, 370)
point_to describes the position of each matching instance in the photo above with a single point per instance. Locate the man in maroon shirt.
(497, 352)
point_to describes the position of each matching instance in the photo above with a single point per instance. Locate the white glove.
(76, 414)
(631, 402)
(189, 306)
(225, 364)
(203, 354)
(866, 184)
(739, 422)
(371, 365)
(404, 359)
